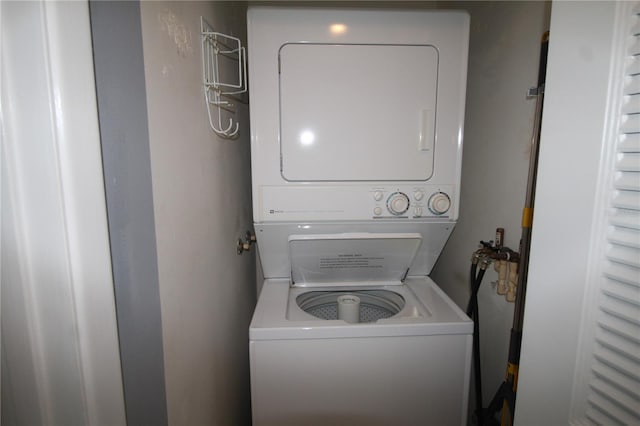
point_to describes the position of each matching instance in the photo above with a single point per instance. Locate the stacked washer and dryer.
(356, 145)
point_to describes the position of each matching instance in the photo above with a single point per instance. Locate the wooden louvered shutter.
(611, 335)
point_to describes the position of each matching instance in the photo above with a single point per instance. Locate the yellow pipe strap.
(527, 217)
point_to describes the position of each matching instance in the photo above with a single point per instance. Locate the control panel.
(358, 202)
(413, 202)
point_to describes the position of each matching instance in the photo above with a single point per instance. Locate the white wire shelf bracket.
(224, 70)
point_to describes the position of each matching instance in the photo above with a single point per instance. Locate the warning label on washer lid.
(351, 261)
(351, 258)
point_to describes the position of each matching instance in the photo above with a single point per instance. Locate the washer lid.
(352, 258)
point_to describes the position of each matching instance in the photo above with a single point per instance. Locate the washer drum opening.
(374, 304)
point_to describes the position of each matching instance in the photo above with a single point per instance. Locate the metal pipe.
(515, 342)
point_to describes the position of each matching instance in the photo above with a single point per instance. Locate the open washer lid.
(351, 259)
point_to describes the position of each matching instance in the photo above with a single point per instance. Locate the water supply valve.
(506, 263)
(245, 245)
(502, 270)
(510, 296)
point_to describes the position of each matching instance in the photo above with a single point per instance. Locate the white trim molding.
(61, 361)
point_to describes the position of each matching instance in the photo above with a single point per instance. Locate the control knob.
(398, 203)
(439, 203)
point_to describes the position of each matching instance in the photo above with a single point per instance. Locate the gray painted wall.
(178, 198)
(122, 109)
(202, 205)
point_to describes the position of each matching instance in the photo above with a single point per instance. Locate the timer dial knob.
(398, 203)
(439, 203)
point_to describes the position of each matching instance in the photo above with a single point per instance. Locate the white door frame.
(60, 351)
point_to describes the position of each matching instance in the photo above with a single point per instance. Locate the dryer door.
(356, 112)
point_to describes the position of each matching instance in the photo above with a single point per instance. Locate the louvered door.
(613, 336)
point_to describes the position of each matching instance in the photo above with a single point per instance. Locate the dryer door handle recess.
(427, 133)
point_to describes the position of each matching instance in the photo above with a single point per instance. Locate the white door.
(581, 340)
(367, 110)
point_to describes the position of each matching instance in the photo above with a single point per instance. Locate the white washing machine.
(356, 141)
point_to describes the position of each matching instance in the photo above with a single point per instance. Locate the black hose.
(472, 284)
(474, 295)
(473, 312)
(475, 287)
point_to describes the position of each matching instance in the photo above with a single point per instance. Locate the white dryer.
(356, 140)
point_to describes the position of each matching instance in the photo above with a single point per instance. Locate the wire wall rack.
(224, 69)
